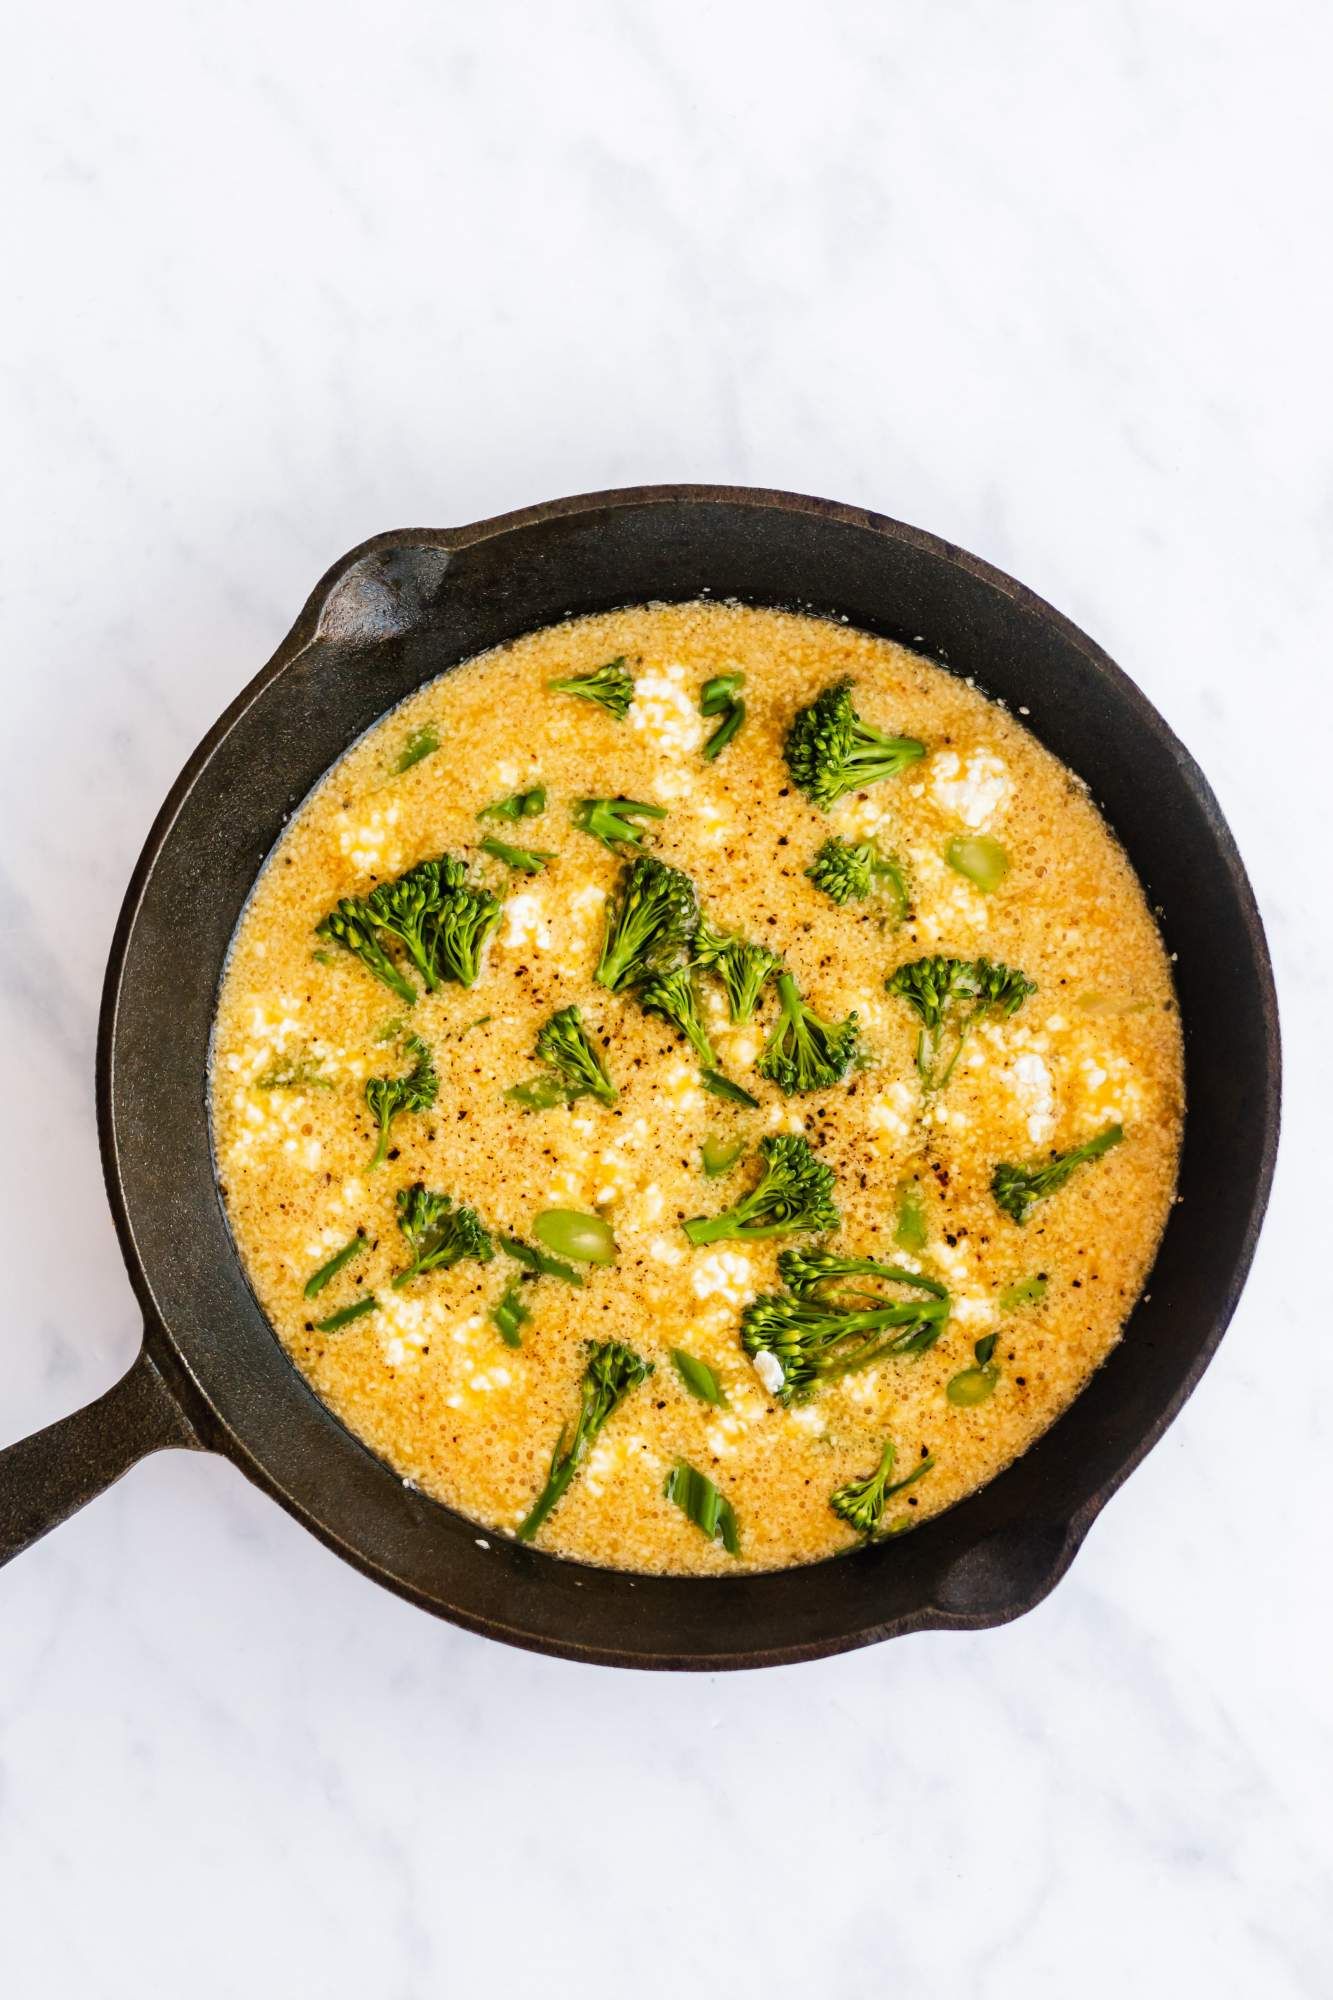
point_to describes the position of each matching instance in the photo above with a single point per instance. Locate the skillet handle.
(47, 1477)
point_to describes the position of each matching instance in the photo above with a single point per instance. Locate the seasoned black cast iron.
(211, 1375)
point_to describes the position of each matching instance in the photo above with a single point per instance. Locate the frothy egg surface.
(424, 1376)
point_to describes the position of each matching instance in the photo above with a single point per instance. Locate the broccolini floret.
(464, 922)
(805, 1271)
(564, 1045)
(612, 1371)
(615, 821)
(673, 996)
(861, 1502)
(430, 911)
(814, 1339)
(850, 871)
(744, 969)
(949, 996)
(404, 910)
(830, 750)
(438, 1234)
(388, 1095)
(804, 1051)
(352, 926)
(650, 923)
(1018, 1189)
(794, 1192)
(611, 687)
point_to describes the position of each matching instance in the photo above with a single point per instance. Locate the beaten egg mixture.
(425, 1377)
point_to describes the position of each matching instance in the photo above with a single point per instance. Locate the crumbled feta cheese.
(525, 923)
(724, 1274)
(971, 790)
(1030, 1081)
(665, 713)
(892, 1112)
(769, 1370)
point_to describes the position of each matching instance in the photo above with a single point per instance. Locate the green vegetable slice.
(982, 860)
(1026, 1292)
(720, 1155)
(909, 1230)
(519, 805)
(718, 1085)
(573, 1233)
(699, 1378)
(421, 743)
(721, 696)
(346, 1314)
(317, 1280)
(972, 1386)
(523, 860)
(542, 1093)
(699, 1500)
(535, 1260)
(509, 1314)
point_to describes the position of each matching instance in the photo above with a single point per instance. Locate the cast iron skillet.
(211, 1375)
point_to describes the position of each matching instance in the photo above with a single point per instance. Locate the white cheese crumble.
(893, 1111)
(723, 1274)
(971, 789)
(665, 713)
(1030, 1081)
(525, 923)
(769, 1370)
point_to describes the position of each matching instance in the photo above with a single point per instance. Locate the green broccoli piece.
(612, 1371)
(611, 687)
(721, 696)
(949, 996)
(794, 1192)
(829, 750)
(650, 923)
(463, 924)
(438, 1234)
(851, 871)
(523, 860)
(1017, 1190)
(672, 994)
(861, 1502)
(613, 821)
(563, 1043)
(519, 805)
(814, 1339)
(422, 742)
(352, 926)
(405, 909)
(804, 1271)
(744, 969)
(805, 1052)
(388, 1095)
(700, 1502)
(294, 1073)
(509, 1315)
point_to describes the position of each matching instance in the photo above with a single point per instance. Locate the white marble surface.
(1050, 279)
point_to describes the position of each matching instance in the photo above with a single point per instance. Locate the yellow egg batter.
(425, 1378)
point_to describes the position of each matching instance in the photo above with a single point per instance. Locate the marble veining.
(1049, 281)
